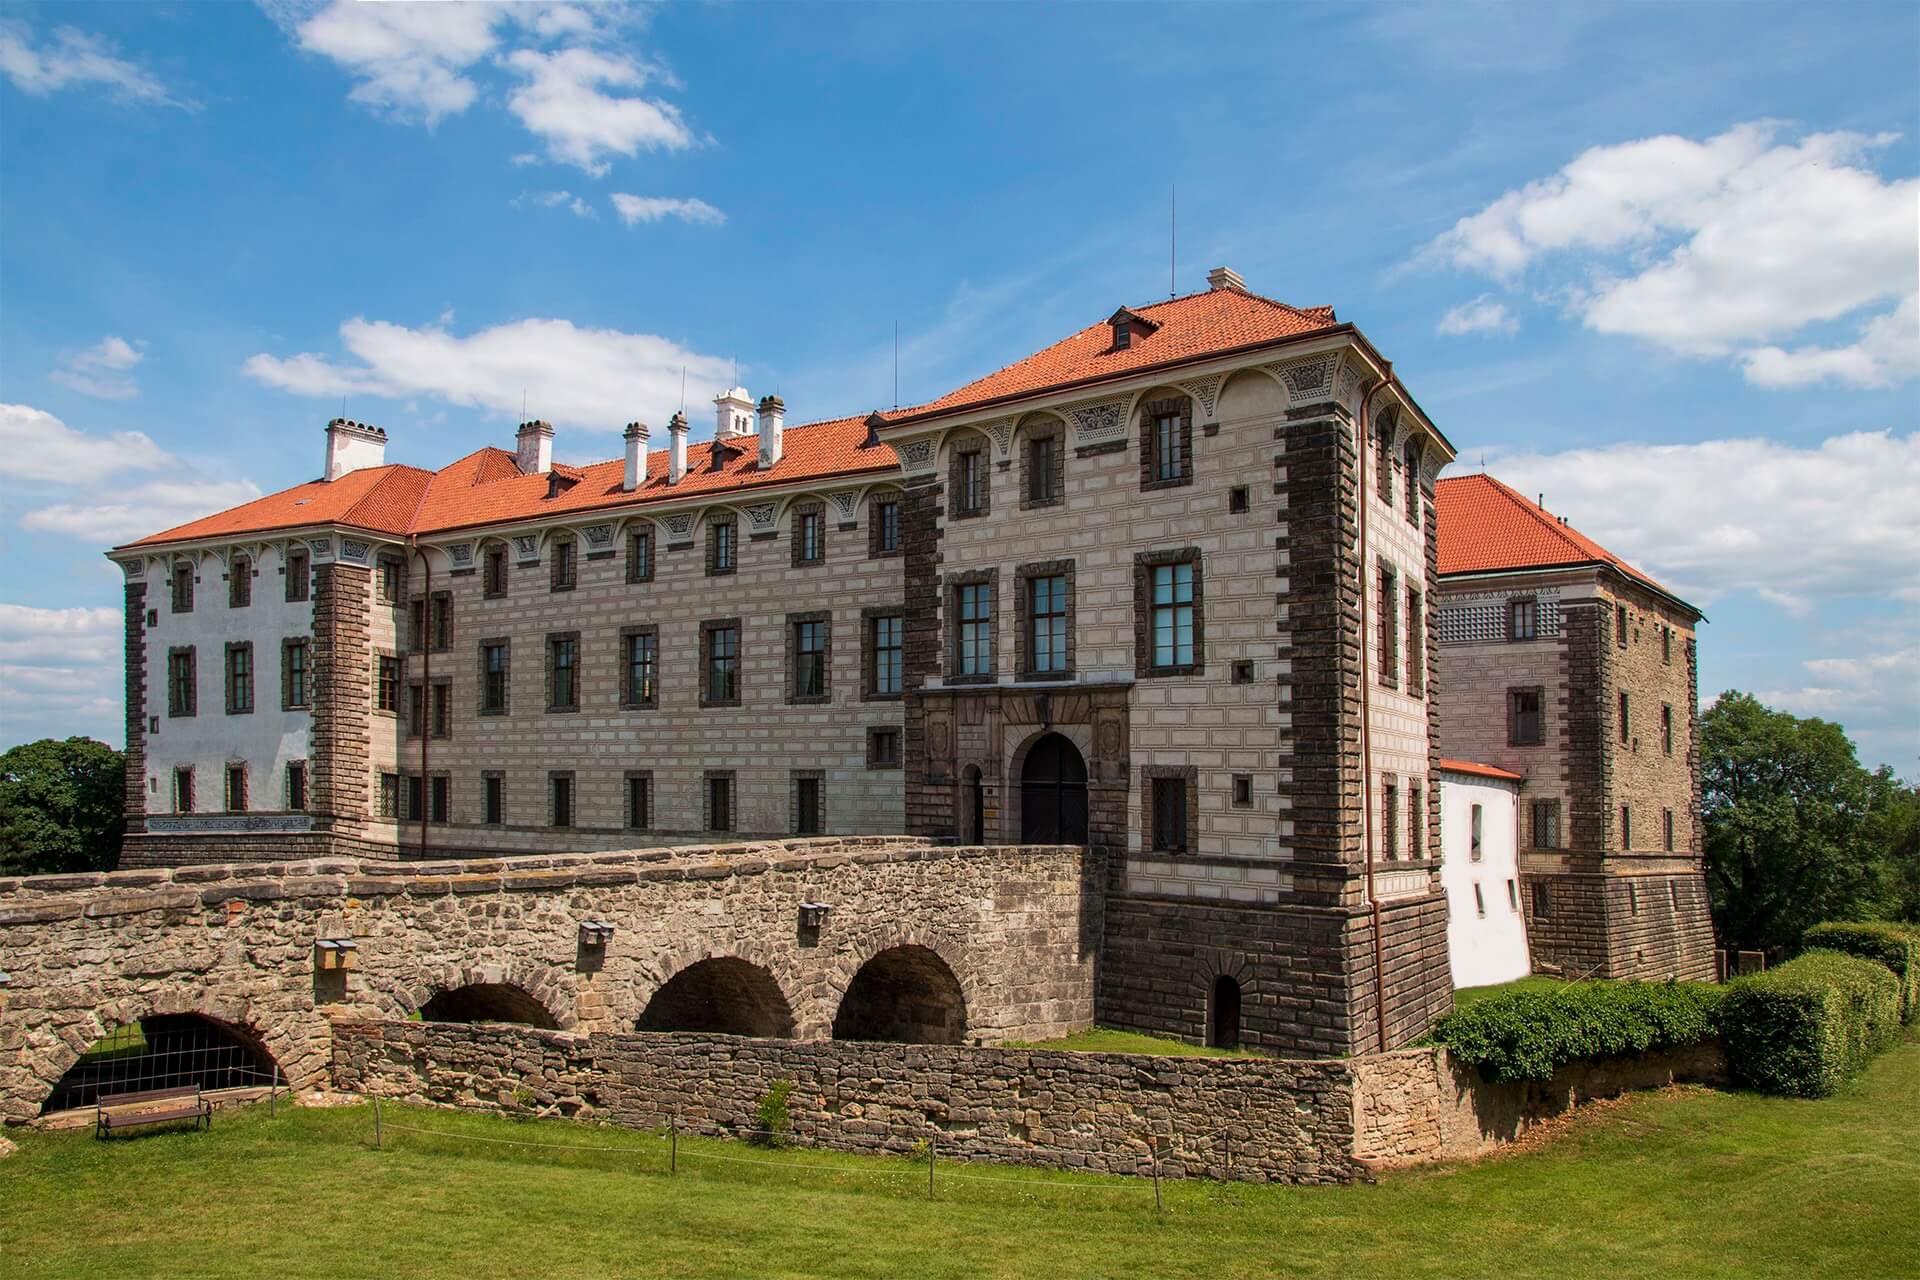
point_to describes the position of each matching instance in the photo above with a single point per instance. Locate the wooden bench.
(115, 1111)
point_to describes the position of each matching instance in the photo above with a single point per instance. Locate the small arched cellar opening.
(165, 1051)
(488, 1002)
(904, 994)
(722, 996)
(1223, 1014)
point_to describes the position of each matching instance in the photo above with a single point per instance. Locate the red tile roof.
(1480, 770)
(380, 499)
(1487, 527)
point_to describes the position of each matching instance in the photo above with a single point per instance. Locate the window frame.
(493, 798)
(1387, 605)
(633, 639)
(1515, 720)
(639, 788)
(876, 759)
(494, 586)
(807, 532)
(883, 525)
(240, 582)
(296, 675)
(388, 675)
(237, 677)
(723, 546)
(722, 818)
(1156, 782)
(640, 555)
(801, 628)
(563, 563)
(181, 588)
(296, 787)
(871, 652)
(486, 705)
(1166, 443)
(1527, 607)
(183, 682)
(710, 629)
(298, 571)
(1145, 612)
(1027, 620)
(1043, 480)
(183, 789)
(234, 786)
(559, 643)
(563, 800)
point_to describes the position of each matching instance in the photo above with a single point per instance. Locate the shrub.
(1528, 1034)
(1896, 946)
(776, 1125)
(1808, 1025)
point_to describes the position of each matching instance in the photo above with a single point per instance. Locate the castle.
(1174, 588)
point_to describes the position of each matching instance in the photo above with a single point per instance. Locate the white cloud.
(637, 209)
(1725, 247)
(1876, 695)
(36, 446)
(1482, 315)
(409, 58)
(572, 203)
(42, 636)
(592, 378)
(1793, 525)
(562, 100)
(101, 370)
(73, 57)
(60, 672)
(143, 509)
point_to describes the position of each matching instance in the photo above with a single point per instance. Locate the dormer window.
(1129, 328)
(558, 484)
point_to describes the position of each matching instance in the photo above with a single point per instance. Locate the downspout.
(1369, 828)
(426, 689)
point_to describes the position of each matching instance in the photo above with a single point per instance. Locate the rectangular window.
(183, 790)
(1242, 791)
(1047, 624)
(493, 677)
(640, 662)
(294, 682)
(1666, 645)
(810, 659)
(493, 799)
(1523, 618)
(1523, 718)
(972, 482)
(183, 588)
(1479, 901)
(1542, 900)
(560, 799)
(386, 683)
(182, 679)
(1169, 815)
(1169, 447)
(440, 707)
(720, 548)
(1513, 896)
(1546, 824)
(720, 802)
(722, 664)
(1383, 458)
(883, 748)
(297, 576)
(390, 578)
(442, 618)
(1666, 728)
(1172, 623)
(1476, 834)
(495, 584)
(1389, 628)
(1416, 645)
(810, 545)
(1620, 624)
(639, 801)
(416, 710)
(236, 788)
(439, 798)
(416, 625)
(390, 795)
(1625, 719)
(974, 601)
(640, 557)
(1413, 485)
(1626, 828)
(809, 817)
(1666, 830)
(240, 582)
(1389, 820)
(563, 569)
(296, 785)
(886, 527)
(1416, 823)
(887, 637)
(413, 793)
(239, 679)
(563, 676)
(1239, 500)
(1043, 457)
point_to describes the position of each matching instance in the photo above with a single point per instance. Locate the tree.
(61, 807)
(1798, 831)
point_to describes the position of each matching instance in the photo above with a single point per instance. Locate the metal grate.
(162, 1052)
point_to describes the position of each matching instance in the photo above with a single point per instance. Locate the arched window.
(1053, 793)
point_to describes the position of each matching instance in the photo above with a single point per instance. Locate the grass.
(1107, 1040)
(1684, 1183)
(1466, 996)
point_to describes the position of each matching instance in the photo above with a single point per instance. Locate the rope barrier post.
(673, 1144)
(933, 1153)
(376, 1122)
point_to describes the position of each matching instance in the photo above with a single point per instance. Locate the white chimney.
(353, 445)
(533, 448)
(676, 448)
(732, 414)
(773, 422)
(636, 472)
(1225, 278)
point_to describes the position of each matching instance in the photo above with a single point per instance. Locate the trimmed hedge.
(1896, 946)
(1807, 1026)
(1530, 1034)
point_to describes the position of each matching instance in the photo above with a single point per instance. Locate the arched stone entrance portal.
(1053, 793)
(164, 1051)
(725, 996)
(904, 994)
(488, 1002)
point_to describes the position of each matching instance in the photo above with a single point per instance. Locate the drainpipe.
(426, 689)
(1368, 827)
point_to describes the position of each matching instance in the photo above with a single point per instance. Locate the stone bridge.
(915, 943)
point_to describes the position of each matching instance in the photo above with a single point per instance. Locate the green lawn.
(1108, 1040)
(1687, 1183)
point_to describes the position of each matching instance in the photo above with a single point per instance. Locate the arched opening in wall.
(973, 806)
(1053, 793)
(904, 994)
(1223, 1014)
(488, 1002)
(723, 996)
(164, 1051)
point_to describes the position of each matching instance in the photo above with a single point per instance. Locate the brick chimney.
(533, 448)
(1225, 278)
(732, 414)
(676, 448)
(636, 473)
(353, 445)
(773, 425)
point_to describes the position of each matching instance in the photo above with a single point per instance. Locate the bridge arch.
(906, 993)
(513, 991)
(723, 995)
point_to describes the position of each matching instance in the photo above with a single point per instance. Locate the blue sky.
(1656, 261)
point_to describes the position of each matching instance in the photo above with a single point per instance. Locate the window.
(1389, 629)
(416, 710)
(1625, 719)
(883, 748)
(183, 789)
(1476, 833)
(1168, 443)
(297, 576)
(236, 775)
(1620, 624)
(721, 553)
(560, 799)
(1413, 484)
(1389, 846)
(969, 483)
(294, 684)
(413, 794)
(1666, 830)
(240, 582)
(1239, 500)
(1546, 824)
(183, 588)
(1542, 900)
(563, 674)
(239, 679)
(1479, 901)
(1523, 618)
(720, 802)
(389, 795)
(1523, 717)
(640, 801)
(1383, 459)
(1513, 896)
(1666, 728)
(1416, 645)
(296, 785)
(810, 536)
(640, 556)
(640, 667)
(493, 677)
(440, 706)
(439, 798)
(416, 625)
(883, 527)
(1666, 645)
(441, 636)
(1416, 823)
(1044, 468)
(1633, 899)
(809, 815)
(720, 663)
(1047, 606)
(390, 577)
(1169, 800)
(1243, 671)
(182, 695)
(1626, 827)
(494, 585)
(563, 570)
(1242, 791)
(886, 664)
(386, 683)
(1173, 624)
(808, 637)
(974, 634)
(493, 799)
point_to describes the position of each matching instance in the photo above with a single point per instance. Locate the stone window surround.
(1150, 415)
(1022, 608)
(498, 776)
(794, 778)
(240, 575)
(297, 769)
(492, 588)
(1532, 614)
(1243, 785)
(380, 656)
(869, 654)
(1513, 715)
(640, 565)
(707, 778)
(288, 702)
(180, 601)
(1144, 563)
(874, 524)
(563, 563)
(630, 777)
(389, 580)
(874, 759)
(1386, 586)
(1151, 773)
(794, 696)
(628, 702)
(1386, 844)
(950, 597)
(976, 445)
(707, 628)
(1043, 429)
(505, 645)
(183, 771)
(714, 568)
(555, 777)
(553, 638)
(424, 692)
(1535, 809)
(298, 572)
(183, 696)
(796, 516)
(227, 789)
(1416, 644)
